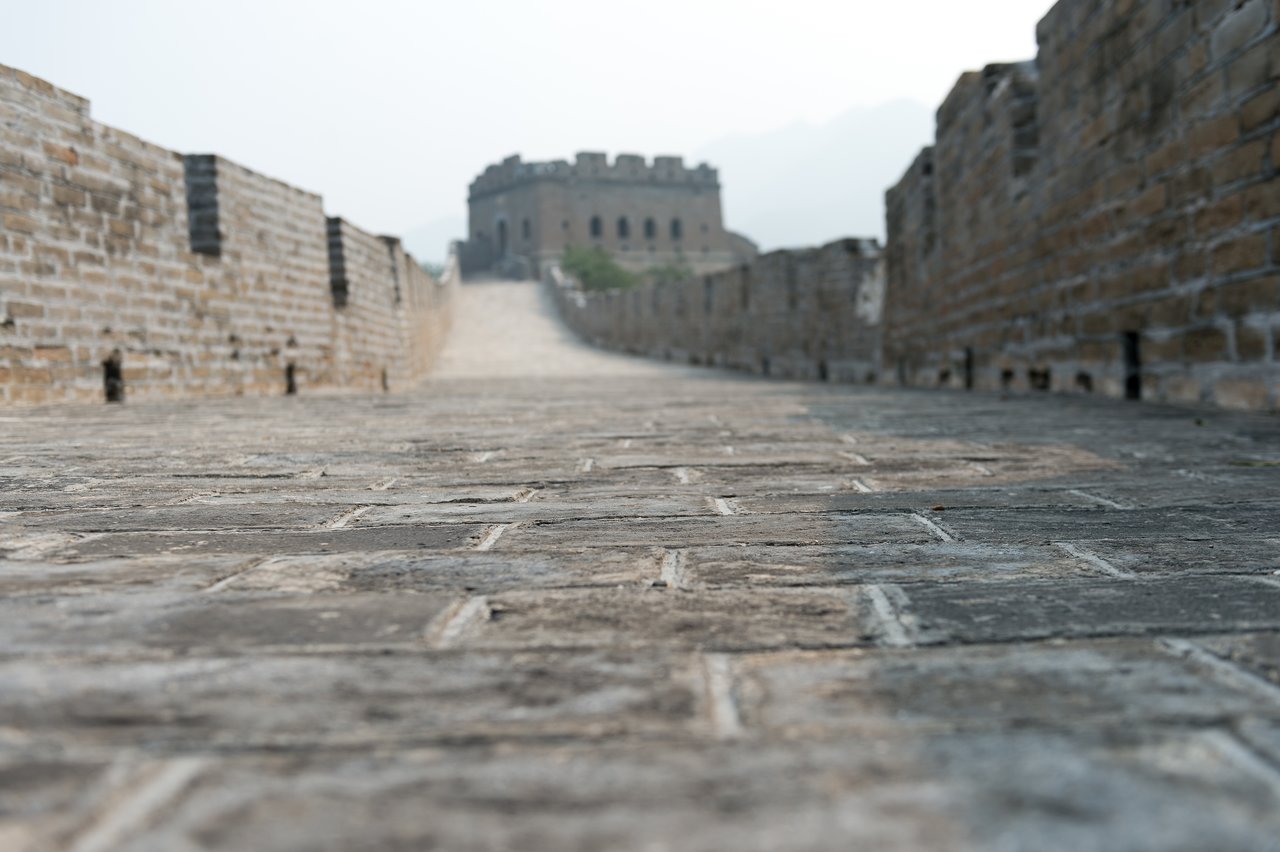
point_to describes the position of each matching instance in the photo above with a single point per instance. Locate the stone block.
(1261, 200)
(1255, 295)
(1238, 28)
(1204, 345)
(1219, 215)
(61, 153)
(1240, 163)
(1106, 608)
(1203, 98)
(868, 693)
(19, 223)
(24, 310)
(1210, 135)
(1240, 254)
(1256, 68)
(1260, 110)
(1252, 344)
(1241, 393)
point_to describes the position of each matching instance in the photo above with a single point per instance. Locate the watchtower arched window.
(525, 229)
(597, 227)
(624, 228)
(677, 229)
(650, 229)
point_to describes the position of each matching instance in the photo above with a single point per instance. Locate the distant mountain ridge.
(808, 184)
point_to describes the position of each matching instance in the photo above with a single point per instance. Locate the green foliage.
(435, 270)
(669, 273)
(595, 270)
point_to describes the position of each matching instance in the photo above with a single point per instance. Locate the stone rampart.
(207, 278)
(811, 313)
(1104, 219)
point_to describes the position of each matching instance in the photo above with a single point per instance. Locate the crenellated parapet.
(131, 271)
(594, 166)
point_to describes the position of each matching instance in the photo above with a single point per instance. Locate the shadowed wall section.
(1105, 218)
(207, 278)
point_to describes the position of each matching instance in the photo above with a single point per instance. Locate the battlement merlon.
(595, 166)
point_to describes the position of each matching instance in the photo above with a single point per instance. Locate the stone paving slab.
(993, 687)
(183, 624)
(1054, 608)
(612, 796)
(711, 621)
(204, 543)
(934, 562)
(337, 697)
(559, 599)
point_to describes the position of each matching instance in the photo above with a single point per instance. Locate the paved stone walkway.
(563, 600)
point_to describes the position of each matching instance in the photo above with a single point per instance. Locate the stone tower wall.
(210, 279)
(547, 207)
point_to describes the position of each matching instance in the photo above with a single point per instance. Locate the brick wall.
(208, 278)
(1104, 219)
(811, 313)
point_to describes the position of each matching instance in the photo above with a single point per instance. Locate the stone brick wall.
(208, 278)
(1104, 219)
(812, 313)
(424, 313)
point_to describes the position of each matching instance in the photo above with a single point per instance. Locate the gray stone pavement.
(565, 600)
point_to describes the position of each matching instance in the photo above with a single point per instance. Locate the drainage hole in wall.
(113, 376)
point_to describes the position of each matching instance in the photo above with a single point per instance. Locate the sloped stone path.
(560, 599)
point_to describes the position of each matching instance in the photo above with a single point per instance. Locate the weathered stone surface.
(310, 541)
(939, 562)
(539, 605)
(1084, 684)
(1049, 608)
(112, 624)
(344, 697)
(712, 621)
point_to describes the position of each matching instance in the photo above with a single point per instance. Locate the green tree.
(669, 273)
(595, 270)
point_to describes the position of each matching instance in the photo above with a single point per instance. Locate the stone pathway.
(565, 600)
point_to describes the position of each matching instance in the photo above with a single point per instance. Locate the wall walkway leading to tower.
(557, 599)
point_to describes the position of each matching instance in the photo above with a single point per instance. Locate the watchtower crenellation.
(595, 166)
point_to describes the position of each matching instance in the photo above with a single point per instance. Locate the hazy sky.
(390, 108)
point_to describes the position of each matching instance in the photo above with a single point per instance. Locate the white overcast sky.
(389, 108)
